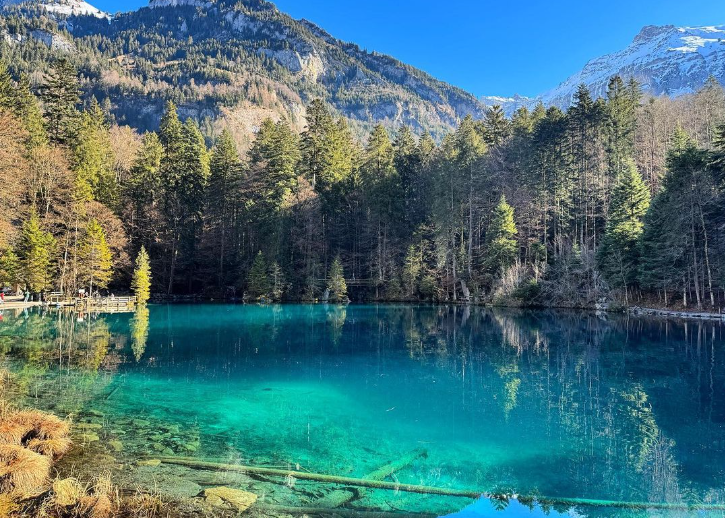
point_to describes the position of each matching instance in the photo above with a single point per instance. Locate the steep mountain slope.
(62, 7)
(666, 60)
(232, 58)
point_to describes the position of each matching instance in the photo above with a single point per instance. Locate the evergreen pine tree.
(143, 191)
(7, 88)
(61, 95)
(93, 158)
(336, 281)
(618, 256)
(141, 281)
(36, 250)
(28, 110)
(95, 257)
(622, 104)
(496, 126)
(257, 280)
(10, 269)
(222, 202)
(501, 250)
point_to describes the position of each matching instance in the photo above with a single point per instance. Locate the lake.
(562, 405)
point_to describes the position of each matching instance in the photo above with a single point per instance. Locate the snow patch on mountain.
(175, 3)
(665, 60)
(61, 7)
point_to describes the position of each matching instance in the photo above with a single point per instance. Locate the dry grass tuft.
(20, 428)
(54, 448)
(102, 508)
(22, 471)
(67, 492)
(103, 485)
(144, 505)
(7, 506)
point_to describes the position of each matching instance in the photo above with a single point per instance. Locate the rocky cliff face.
(222, 52)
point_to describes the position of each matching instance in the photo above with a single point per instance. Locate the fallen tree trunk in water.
(318, 477)
(344, 513)
(340, 497)
(430, 490)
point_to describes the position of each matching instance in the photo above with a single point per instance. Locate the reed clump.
(30, 442)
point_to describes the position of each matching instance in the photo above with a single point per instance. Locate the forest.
(616, 200)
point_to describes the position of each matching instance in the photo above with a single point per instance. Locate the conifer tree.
(93, 158)
(10, 269)
(7, 89)
(677, 239)
(141, 281)
(257, 280)
(27, 109)
(618, 257)
(36, 250)
(143, 191)
(622, 103)
(496, 126)
(221, 201)
(276, 281)
(95, 257)
(412, 269)
(336, 281)
(501, 250)
(61, 95)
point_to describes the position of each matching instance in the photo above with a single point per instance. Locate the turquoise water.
(557, 404)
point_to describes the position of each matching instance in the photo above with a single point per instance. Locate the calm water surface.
(537, 403)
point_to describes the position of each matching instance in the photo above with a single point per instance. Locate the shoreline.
(667, 313)
(631, 310)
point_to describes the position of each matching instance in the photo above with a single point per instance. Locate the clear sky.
(490, 47)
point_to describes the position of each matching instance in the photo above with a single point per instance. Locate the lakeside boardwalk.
(94, 304)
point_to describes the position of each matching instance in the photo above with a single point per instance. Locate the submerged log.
(319, 477)
(340, 497)
(431, 490)
(344, 513)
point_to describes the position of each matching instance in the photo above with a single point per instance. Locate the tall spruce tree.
(61, 95)
(257, 280)
(336, 281)
(95, 258)
(501, 248)
(36, 250)
(222, 204)
(618, 256)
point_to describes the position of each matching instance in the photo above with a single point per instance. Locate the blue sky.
(490, 47)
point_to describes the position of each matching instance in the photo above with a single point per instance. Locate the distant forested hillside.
(618, 199)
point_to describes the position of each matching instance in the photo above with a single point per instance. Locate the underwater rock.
(89, 437)
(240, 500)
(157, 446)
(89, 426)
(140, 423)
(149, 462)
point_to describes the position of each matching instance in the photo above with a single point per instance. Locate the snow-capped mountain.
(666, 60)
(62, 7)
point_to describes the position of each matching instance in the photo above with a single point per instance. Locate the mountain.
(63, 7)
(238, 60)
(665, 60)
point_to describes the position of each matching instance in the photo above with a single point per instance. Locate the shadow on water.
(535, 403)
